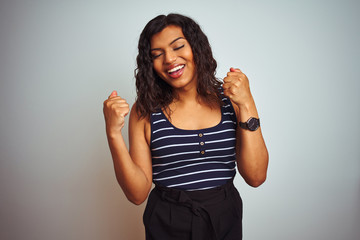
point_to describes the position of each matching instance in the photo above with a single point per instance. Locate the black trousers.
(212, 214)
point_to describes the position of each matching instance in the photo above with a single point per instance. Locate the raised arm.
(251, 152)
(132, 168)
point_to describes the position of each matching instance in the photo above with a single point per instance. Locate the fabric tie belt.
(199, 202)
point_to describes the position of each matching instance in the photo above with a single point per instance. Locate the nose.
(170, 57)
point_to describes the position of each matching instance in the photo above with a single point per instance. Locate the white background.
(59, 60)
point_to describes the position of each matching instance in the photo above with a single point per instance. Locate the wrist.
(246, 111)
(246, 105)
(113, 134)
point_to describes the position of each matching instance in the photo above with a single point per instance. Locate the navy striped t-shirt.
(193, 159)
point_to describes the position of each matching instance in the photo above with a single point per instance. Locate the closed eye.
(179, 47)
(156, 56)
(175, 49)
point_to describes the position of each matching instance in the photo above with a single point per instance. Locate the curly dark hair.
(153, 93)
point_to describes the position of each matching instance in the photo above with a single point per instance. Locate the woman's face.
(173, 58)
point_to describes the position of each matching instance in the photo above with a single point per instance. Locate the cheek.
(189, 56)
(157, 67)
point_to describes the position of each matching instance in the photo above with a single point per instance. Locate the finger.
(122, 104)
(230, 77)
(114, 102)
(227, 80)
(227, 89)
(235, 70)
(123, 110)
(113, 94)
(227, 92)
(234, 74)
(126, 113)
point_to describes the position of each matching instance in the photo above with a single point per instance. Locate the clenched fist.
(115, 111)
(236, 87)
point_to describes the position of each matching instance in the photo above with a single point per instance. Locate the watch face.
(253, 124)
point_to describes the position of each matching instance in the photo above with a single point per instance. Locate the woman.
(187, 133)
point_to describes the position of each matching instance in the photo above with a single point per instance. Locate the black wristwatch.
(251, 124)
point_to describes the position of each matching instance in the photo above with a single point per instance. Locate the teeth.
(176, 68)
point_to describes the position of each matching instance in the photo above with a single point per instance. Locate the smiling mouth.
(176, 70)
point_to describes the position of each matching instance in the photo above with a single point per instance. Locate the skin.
(168, 54)
(251, 152)
(188, 111)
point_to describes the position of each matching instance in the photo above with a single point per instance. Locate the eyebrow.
(153, 49)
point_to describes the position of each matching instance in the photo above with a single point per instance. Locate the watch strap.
(243, 125)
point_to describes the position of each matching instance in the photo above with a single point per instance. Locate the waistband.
(208, 196)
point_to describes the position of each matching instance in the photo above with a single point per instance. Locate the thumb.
(113, 94)
(234, 69)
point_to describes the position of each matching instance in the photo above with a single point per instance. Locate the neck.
(185, 96)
